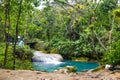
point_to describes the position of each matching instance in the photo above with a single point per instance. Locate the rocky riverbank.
(38, 75)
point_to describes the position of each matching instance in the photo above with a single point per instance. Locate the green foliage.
(116, 12)
(52, 24)
(36, 3)
(21, 62)
(24, 64)
(2, 47)
(24, 52)
(80, 48)
(112, 55)
(41, 45)
(108, 5)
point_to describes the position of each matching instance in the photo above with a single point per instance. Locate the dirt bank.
(38, 75)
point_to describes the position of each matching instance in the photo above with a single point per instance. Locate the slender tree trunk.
(7, 17)
(6, 48)
(16, 37)
(110, 32)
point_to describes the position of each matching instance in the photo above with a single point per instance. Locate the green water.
(50, 67)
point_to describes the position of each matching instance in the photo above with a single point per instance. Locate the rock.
(67, 69)
(90, 71)
(71, 68)
(62, 70)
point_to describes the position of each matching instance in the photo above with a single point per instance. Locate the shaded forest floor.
(38, 75)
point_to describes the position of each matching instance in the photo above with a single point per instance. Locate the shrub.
(112, 55)
(69, 49)
(24, 52)
(24, 63)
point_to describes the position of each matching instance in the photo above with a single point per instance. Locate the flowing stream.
(52, 62)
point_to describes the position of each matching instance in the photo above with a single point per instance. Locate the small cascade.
(52, 62)
(46, 58)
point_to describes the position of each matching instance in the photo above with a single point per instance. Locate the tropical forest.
(72, 35)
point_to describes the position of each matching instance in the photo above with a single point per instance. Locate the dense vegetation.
(85, 29)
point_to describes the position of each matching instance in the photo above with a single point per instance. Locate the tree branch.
(103, 46)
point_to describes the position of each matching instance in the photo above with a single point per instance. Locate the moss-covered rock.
(67, 69)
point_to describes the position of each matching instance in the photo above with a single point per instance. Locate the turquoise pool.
(50, 67)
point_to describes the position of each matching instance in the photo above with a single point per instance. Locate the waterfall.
(46, 58)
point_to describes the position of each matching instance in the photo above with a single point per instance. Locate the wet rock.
(67, 69)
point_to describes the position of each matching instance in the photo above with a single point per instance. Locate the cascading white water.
(46, 58)
(51, 62)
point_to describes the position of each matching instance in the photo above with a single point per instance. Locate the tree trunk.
(7, 17)
(6, 48)
(16, 37)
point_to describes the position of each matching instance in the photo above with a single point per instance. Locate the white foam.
(48, 58)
